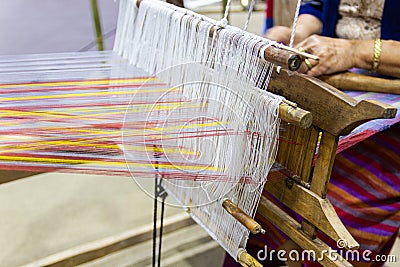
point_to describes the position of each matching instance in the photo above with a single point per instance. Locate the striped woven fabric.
(370, 128)
(64, 111)
(365, 191)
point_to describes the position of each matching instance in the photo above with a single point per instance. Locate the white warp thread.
(223, 78)
(294, 25)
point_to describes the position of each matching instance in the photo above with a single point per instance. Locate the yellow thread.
(105, 93)
(73, 161)
(89, 82)
(46, 144)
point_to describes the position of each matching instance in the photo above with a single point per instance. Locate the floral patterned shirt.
(360, 19)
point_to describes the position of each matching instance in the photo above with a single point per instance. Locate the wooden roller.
(242, 217)
(359, 82)
(292, 114)
(246, 260)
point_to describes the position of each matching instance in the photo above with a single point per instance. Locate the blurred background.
(48, 26)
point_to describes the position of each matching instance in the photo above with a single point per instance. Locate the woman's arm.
(389, 63)
(307, 25)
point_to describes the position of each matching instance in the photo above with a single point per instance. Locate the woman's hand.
(281, 34)
(334, 54)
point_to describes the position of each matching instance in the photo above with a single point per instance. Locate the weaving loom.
(193, 115)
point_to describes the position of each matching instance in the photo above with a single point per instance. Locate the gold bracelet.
(377, 54)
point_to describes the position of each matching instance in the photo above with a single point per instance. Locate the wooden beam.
(100, 248)
(324, 164)
(7, 176)
(332, 110)
(316, 210)
(292, 229)
(357, 82)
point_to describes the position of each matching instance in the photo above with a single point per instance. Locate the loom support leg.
(292, 228)
(318, 211)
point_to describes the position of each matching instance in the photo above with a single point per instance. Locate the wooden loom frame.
(320, 110)
(304, 191)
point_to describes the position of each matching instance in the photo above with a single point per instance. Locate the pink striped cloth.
(372, 127)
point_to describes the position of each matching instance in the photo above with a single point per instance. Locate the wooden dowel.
(282, 57)
(242, 217)
(301, 52)
(246, 260)
(295, 115)
(358, 82)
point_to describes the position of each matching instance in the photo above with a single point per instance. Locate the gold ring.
(308, 64)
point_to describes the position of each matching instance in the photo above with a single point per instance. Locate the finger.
(308, 63)
(316, 71)
(278, 33)
(309, 44)
(312, 62)
(303, 68)
(303, 45)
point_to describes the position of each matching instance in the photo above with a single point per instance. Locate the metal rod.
(97, 24)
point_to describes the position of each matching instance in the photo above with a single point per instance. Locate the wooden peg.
(295, 115)
(242, 217)
(246, 260)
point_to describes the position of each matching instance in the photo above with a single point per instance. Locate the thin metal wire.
(155, 224)
(163, 195)
(97, 24)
